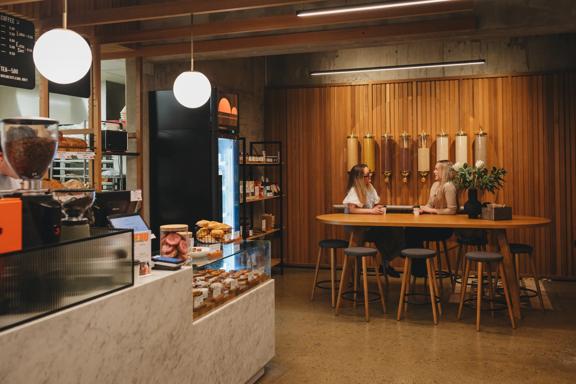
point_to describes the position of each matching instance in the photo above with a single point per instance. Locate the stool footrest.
(471, 303)
(425, 296)
(360, 296)
(318, 284)
(443, 274)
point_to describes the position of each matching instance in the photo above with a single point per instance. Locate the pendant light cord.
(192, 42)
(65, 15)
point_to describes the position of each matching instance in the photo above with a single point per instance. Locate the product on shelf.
(259, 189)
(71, 144)
(51, 184)
(74, 184)
(270, 221)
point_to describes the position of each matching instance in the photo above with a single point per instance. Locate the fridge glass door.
(228, 170)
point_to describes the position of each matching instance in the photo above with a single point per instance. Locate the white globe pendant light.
(61, 55)
(192, 89)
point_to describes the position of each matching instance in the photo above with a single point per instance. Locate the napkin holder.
(497, 212)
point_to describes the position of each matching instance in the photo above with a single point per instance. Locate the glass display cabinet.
(241, 268)
(44, 280)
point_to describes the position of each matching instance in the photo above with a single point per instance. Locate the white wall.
(16, 102)
(68, 109)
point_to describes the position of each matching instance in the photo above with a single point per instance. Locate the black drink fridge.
(194, 164)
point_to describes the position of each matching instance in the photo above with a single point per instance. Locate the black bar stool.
(517, 250)
(353, 254)
(411, 254)
(332, 245)
(441, 273)
(464, 245)
(487, 258)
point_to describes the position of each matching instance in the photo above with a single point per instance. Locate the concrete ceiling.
(158, 29)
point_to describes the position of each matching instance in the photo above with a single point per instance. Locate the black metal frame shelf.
(247, 212)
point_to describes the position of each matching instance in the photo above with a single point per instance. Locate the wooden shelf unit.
(246, 201)
(260, 235)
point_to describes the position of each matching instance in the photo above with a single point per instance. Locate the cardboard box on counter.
(497, 212)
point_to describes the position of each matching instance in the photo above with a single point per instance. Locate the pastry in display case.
(211, 232)
(241, 268)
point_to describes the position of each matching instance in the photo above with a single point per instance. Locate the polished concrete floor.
(314, 346)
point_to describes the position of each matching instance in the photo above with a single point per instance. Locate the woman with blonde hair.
(362, 197)
(443, 198)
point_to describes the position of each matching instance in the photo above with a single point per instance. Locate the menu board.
(16, 45)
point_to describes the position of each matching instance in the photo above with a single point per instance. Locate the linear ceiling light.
(397, 67)
(366, 7)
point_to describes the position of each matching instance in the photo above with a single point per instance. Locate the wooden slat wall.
(531, 125)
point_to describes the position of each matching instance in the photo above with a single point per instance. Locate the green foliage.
(479, 178)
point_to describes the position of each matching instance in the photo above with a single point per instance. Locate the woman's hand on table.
(427, 209)
(377, 210)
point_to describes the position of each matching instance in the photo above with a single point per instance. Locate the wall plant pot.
(473, 207)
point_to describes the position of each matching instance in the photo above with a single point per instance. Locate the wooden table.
(496, 230)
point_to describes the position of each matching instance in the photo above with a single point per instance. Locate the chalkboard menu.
(16, 45)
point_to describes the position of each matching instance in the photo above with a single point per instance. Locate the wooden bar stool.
(517, 250)
(352, 255)
(464, 245)
(440, 272)
(411, 254)
(487, 258)
(332, 245)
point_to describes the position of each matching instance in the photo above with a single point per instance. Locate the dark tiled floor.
(314, 346)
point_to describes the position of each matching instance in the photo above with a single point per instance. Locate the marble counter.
(145, 334)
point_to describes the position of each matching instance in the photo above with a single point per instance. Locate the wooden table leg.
(352, 239)
(502, 241)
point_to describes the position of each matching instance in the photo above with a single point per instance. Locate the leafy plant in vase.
(476, 178)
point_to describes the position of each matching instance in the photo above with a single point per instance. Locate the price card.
(136, 195)
(75, 155)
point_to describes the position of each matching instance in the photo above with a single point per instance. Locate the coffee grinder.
(75, 203)
(29, 146)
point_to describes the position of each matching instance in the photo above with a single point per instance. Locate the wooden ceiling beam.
(13, 2)
(283, 22)
(163, 10)
(295, 41)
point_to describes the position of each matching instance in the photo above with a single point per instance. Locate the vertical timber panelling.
(530, 120)
(436, 112)
(305, 161)
(275, 116)
(346, 111)
(393, 113)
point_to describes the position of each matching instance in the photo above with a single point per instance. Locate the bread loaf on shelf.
(71, 144)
